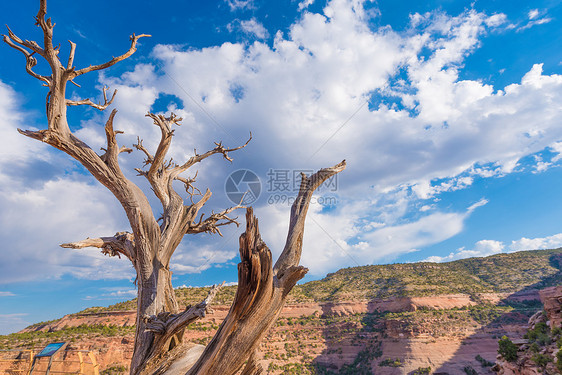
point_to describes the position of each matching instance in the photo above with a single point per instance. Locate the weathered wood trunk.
(262, 288)
(155, 296)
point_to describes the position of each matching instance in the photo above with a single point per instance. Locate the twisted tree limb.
(262, 289)
(166, 326)
(100, 106)
(123, 243)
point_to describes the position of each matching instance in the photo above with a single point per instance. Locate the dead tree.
(149, 246)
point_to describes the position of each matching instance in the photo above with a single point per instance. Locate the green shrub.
(389, 362)
(115, 370)
(507, 349)
(539, 334)
(541, 360)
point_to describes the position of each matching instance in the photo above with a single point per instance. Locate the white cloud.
(533, 13)
(251, 27)
(54, 212)
(6, 294)
(482, 248)
(303, 89)
(312, 82)
(536, 17)
(485, 248)
(240, 4)
(305, 4)
(550, 242)
(191, 258)
(496, 20)
(480, 203)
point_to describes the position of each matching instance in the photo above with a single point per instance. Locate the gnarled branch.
(158, 164)
(113, 150)
(190, 189)
(139, 146)
(120, 243)
(167, 325)
(134, 39)
(30, 61)
(291, 254)
(211, 224)
(47, 27)
(32, 45)
(261, 291)
(219, 149)
(100, 106)
(71, 56)
(158, 174)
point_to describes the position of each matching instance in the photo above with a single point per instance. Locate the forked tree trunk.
(160, 324)
(262, 288)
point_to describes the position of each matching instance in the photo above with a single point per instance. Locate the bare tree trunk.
(262, 289)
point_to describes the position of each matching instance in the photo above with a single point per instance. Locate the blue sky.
(448, 113)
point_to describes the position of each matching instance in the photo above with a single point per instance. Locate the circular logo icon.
(242, 186)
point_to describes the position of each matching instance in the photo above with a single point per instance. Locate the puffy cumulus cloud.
(36, 219)
(332, 87)
(391, 103)
(482, 248)
(196, 257)
(17, 152)
(305, 4)
(550, 242)
(308, 93)
(496, 20)
(251, 27)
(490, 247)
(45, 203)
(349, 236)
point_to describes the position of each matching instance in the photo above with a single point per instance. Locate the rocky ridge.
(537, 352)
(394, 319)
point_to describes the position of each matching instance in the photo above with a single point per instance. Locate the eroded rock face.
(552, 301)
(552, 316)
(433, 331)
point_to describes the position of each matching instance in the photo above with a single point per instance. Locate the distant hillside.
(417, 317)
(501, 273)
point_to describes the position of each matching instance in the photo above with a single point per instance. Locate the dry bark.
(262, 288)
(149, 246)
